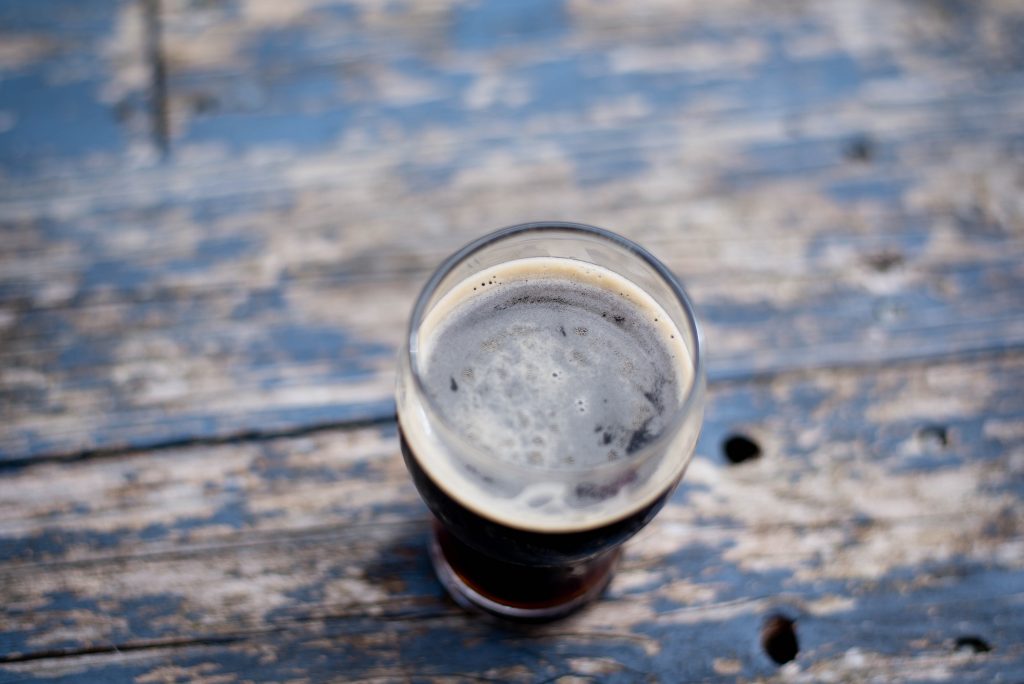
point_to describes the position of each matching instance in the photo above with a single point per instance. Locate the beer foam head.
(555, 374)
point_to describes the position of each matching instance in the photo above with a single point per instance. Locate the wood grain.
(228, 554)
(243, 327)
(215, 215)
(74, 88)
(812, 185)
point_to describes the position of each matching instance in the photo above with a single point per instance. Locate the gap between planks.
(726, 377)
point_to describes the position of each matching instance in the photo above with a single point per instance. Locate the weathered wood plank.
(234, 325)
(256, 77)
(74, 88)
(839, 185)
(884, 516)
(320, 349)
(811, 183)
(608, 643)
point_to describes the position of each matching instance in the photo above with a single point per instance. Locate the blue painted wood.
(165, 369)
(416, 650)
(279, 544)
(73, 87)
(855, 411)
(831, 198)
(390, 74)
(837, 184)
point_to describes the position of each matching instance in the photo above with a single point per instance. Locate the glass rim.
(679, 416)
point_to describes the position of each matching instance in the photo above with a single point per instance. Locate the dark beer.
(523, 568)
(542, 426)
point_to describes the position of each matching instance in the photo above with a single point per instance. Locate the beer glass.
(550, 393)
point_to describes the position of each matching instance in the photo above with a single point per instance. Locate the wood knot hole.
(934, 436)
(739, 448)
(884, 261)
(778, 639)
(972, 643)
(860, 148)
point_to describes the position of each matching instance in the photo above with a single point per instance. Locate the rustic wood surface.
(215, 215)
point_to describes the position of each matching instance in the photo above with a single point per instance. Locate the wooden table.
(214, 218)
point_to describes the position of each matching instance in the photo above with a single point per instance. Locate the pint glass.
(550, 394)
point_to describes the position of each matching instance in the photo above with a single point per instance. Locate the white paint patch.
(1004, 430)
(8, 120)
(18, 50)
(688, 56)
(22, 377)
(934, 394)
(594, 666)
(203, 673)
(80, 626)
(124, 50)
(800, 517)
(830, 605)
(496, 89)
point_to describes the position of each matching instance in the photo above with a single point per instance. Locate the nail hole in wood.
(884, 261)
(972, 643)
(860, 149)
(778, 639)
(739, 448)
(204, 103)
(934, 435)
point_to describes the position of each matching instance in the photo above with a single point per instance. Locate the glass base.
(517, 592)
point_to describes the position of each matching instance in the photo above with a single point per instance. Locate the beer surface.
(558, 367)
(553, 371)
